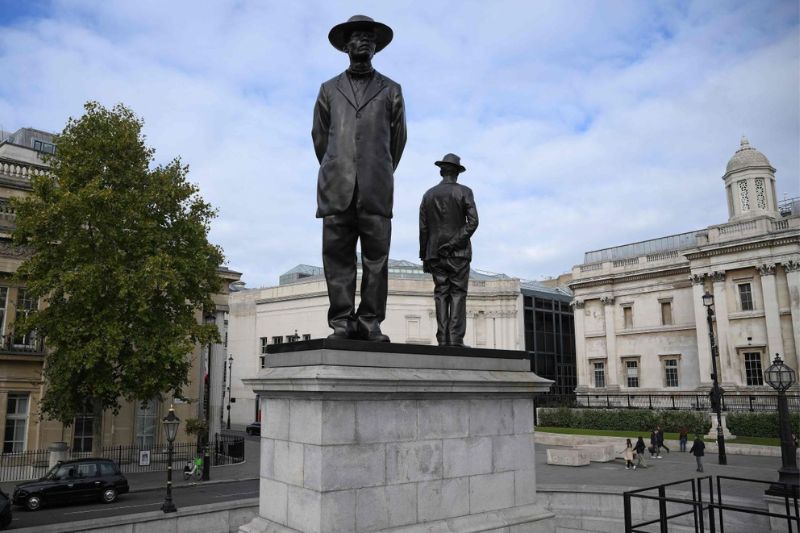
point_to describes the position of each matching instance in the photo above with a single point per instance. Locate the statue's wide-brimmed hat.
(339, 33)
(451, 160)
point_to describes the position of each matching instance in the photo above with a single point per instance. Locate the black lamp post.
(230, 365)
(209, 319)
(171, 423)
(780, 377)
(716, 391)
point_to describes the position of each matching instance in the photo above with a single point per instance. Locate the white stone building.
(297, 309)
(640, 323)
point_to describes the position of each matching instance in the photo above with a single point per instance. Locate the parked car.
(68, 481)
(254, 428)
(5, 510)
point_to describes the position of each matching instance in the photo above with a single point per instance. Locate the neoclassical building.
(640, 322)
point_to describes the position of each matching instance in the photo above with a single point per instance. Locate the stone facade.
(640, 322)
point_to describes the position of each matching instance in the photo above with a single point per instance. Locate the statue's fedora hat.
(451, 160)
(339, 33)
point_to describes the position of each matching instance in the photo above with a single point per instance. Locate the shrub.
(759, 424)
(643, 420)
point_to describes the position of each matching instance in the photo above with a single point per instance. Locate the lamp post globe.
(780, 377)
(716, 391)
(170, 423)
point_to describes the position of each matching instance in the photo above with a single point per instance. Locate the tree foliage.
(121, 259)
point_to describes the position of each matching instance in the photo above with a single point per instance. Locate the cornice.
(743, 247)
(629, 277)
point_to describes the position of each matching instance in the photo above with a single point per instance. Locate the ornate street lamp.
(716, 391)
(230, 365)
(209, 318)
(171, 423)
(780, 377)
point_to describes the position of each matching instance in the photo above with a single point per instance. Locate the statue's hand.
(445, 250)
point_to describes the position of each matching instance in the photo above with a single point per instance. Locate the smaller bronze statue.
(447, 219)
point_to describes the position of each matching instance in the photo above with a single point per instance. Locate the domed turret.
(750, 184)
(747, 157)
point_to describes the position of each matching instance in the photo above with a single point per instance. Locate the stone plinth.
(363, 437)
(712, 433)
(599, 453)
(568, 457)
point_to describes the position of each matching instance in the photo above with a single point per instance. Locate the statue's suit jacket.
(358, 143)
(447, 215)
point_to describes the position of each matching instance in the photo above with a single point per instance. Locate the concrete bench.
(567, 457)
(599, 453)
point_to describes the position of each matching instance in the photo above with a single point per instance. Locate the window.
(25, 304)
(277, 340)
(264, 344)
(671, 372)
(86, 470)
(743, 195)
(761, 198)
(3, 304)
(628, 315)
(666, 313)
(752, 368)
(107, 469)
(146, 424)
(42, 146)
(746, 296)
(599, 375)
(83, 433)
(632, 373)
(16, 422)
(306, 336)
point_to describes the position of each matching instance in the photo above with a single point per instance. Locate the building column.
(612, 377)
(581, 364)
(772, 312)
(726, 367)
(792, 268)
(701, 328)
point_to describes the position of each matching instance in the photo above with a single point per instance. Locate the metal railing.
(32, 464)
(685, 401)
(704, 515)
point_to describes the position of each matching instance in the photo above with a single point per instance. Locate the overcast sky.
(582, 125)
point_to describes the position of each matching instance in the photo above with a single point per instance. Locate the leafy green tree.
(120, 258)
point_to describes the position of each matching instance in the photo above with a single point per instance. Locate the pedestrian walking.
(639, 449)
(698, 450)
(683, 437)
(657, 441)
(627, 454)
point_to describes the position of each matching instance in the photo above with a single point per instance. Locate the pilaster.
(792, 268)
(582, 365)
(771, 310)
(612, 376)
(701, 328)
(726, 365)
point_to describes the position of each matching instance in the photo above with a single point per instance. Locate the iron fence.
(691, 509)
(30, 464)
(224, 449)
(687, 401)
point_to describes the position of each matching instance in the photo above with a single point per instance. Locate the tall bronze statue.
(447, 219)
(359, 133)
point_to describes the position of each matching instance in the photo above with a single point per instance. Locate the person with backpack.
(656, 441)
(639, 449)
(698, 450)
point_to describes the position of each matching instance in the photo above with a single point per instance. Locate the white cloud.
(582, 125)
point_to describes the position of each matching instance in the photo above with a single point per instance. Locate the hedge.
(759, 424)
(644, 420)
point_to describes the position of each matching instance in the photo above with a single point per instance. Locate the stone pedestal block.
(567, 457)
(599, 453)
(712, 433)
(364, 437)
